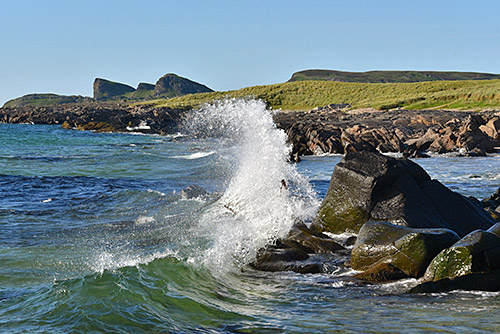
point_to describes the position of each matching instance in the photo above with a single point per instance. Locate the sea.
(98, 236)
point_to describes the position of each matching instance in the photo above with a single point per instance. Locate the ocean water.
(96, 235)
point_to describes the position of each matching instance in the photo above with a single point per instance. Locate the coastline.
(332, 129)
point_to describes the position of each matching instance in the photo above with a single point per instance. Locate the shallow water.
(96, 237)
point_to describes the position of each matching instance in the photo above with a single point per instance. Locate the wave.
(197, 155)
(254, 209)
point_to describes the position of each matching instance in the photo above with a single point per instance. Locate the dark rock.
(408, 249)
(370, 186)
(479, 251)
(317, 242)
(462, 214)
(381, 272)
(287, 259)
(293, 252)
(484, 281)
(193, 191)
(493, 201)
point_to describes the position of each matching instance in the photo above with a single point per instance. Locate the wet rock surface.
(407, 249)
(302, 251)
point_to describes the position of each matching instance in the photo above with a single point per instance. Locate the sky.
(57, 46)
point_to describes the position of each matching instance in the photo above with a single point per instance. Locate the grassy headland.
(389, 76)
(304, 95)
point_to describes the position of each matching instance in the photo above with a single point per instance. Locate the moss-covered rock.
(479, 251)
(408, 249)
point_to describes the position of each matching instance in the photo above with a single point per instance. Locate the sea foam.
(265, 193)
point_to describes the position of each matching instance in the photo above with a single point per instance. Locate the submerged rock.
(193, 191)
(408, 249)
(370, 186)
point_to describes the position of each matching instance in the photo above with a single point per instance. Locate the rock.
(293, 252)
(485, 281)
(479, 251)
(381, 272)
(370, 186)
(493, 201)
(407, 249)
(492, 128)
(193, 191)
(288, 259)
(317, 242)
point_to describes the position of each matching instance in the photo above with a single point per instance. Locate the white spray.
(265, 193)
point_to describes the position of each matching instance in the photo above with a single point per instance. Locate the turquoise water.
(96, 238)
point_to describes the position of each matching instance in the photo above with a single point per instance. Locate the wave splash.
(265, 193)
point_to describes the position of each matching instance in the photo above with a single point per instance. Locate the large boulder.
(477, 252)
(407, 249)
(370, 186)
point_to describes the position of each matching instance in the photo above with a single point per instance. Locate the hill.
(305, 95)
(46, 100)
(169, 85)
(388, 76)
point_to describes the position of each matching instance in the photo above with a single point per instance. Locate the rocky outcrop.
(407, 249)
(105, 89)
(370, 186)
(101, 118)
(171, 85)
(332, 129)
(145, 86)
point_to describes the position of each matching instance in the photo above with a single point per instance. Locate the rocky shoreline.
(333, 129)
(98, 117)
(328, 129)
(403, 225)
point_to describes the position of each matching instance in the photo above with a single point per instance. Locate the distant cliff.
(388, 76)
(169, 85)
(105, 89)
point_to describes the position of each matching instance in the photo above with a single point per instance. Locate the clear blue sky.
(61, 46)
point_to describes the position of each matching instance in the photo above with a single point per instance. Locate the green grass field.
(305, 95)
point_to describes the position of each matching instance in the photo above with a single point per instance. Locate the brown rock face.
(330, 130)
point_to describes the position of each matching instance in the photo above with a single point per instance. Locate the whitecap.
(197, 155)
